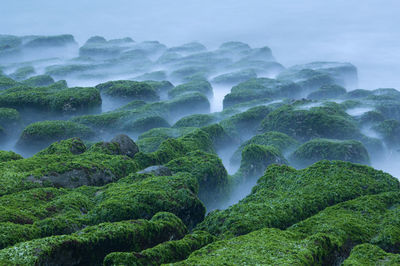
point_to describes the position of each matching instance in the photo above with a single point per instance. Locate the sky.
(365, 33)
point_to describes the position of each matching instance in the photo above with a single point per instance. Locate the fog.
(363, 33)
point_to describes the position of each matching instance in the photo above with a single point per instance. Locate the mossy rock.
(72, 146)
(389, 131)
(368, 254)
(6, 156)
(155, 75)
(23, 73)
(323, 239)
(189, 104)
(327, 92)
(90, 245)
(343, 74)
(285, 196)
(371, 117)
(245, 124)
(9, 117)
(317, 122)
(197, 120)
(167, 252)
(6, 83)
(51, 101)
(191, 47)
(280, 141)
(50, 41)
(210, 173)
(39, 81)
(308, 79)
(127, 89)
(146, 123)
(258, 88)
(256, 158)
(235, 77)
(328, 149)
(41, 134)
(202, 86)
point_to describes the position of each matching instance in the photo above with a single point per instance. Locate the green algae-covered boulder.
(235, 77)
(191, 47)
(6, 156)
(146, 123)
(256, 158)
(167, 252)
(90, 245)
(209, 172)
(389, 130)
(72, 146)
(39, 81)
(41, 134)
(245, 124)
(329, 149)
(197, 120)
(202, 86)
(6, 83)
(280, 141)
(323, 239)
(9, 118)
(186, 104)
(119, 145)
(285, 196)
(259, 88)
(343, 74)
(52, 101)
(368, 254)
(23, 73)
(327, 92)
(50, 41)
(316, 122)
(41, 212)
(131, 90)
(155, 76)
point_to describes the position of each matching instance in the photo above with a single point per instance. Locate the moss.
(261, 88)
(177, 194)
(317, 122)
(359, 93)
(327, 92)
(6, 156)
(6, 83)
(105, 121)
(155, 75)
(41, 134)
(219, 137)
(39, 81)
(256, 158)
(131, 90)
(189, 104)
(72, 146)
(23, 73)
(144, 124)
(90, 245)
(235, 77)
(166, 252)
(245, 124)
(50, 100)
(367, 254)
(132, 105)
(285, 196)
(9, 117)
(327, 149)
(197, 120)
(202, 86)
(323, 239)
(190, 71)
(50, 41)
(371, 117)
(280, 141)
(389, 131)
(210, 173)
